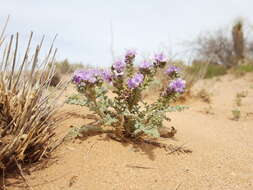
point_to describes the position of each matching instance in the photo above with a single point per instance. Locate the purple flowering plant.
(126, 110)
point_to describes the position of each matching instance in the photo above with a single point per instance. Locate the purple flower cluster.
(145, 65)
(107, 75)
(119, 67)
(130, 53)
(172, 70)
(160, 57)
(91, 76)
(135, 81)
(177, 85)
(84, 76)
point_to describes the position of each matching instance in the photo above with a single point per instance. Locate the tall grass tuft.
(27, 108)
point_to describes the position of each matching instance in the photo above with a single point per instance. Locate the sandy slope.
(222, 157)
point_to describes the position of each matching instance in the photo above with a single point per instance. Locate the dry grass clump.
(27, 109)
(54, 80)
(204, 96)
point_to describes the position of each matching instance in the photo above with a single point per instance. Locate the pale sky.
(84, 27)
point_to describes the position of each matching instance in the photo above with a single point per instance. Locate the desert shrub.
(27, 109)
(126, 111)
(64, 67)
(215, 48)
(223, 47)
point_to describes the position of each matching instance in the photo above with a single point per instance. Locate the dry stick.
(176, 149)
(47, 62)
(3, 30)
(14, 62)
(24, 60)
(49, 53)
(4, 54)
(40, 45)
(178, 186)
(35, 60)
(139, 167)
(51, 72)
(8, 54)
(90, 148)
(42, 40)
(47, 97)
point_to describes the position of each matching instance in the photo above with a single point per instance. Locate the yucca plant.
(27, 108)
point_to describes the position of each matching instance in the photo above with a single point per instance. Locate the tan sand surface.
(221, 158)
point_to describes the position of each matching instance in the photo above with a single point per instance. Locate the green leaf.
(76, 100)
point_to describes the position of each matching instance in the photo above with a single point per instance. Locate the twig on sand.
(22, 174)
(90, 148)
(177, 149)
(138, 167)
(178, 186)
(72, 180)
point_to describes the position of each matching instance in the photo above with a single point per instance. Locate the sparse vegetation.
(238, 101)
(242, 94)
(208, 110)
(130, 104)
(236, 114)
(215, 70)
(65, 67)
(239, 96)
(246, 68)
(204, 96)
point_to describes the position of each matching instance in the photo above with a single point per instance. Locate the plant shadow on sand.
(16, 177)
(141, 145)
(15, 180)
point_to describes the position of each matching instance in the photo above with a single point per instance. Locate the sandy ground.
(222, 157)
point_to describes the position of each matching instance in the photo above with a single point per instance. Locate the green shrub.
(126, 111)
(245, 68)
(214, 70)
(207, 70)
